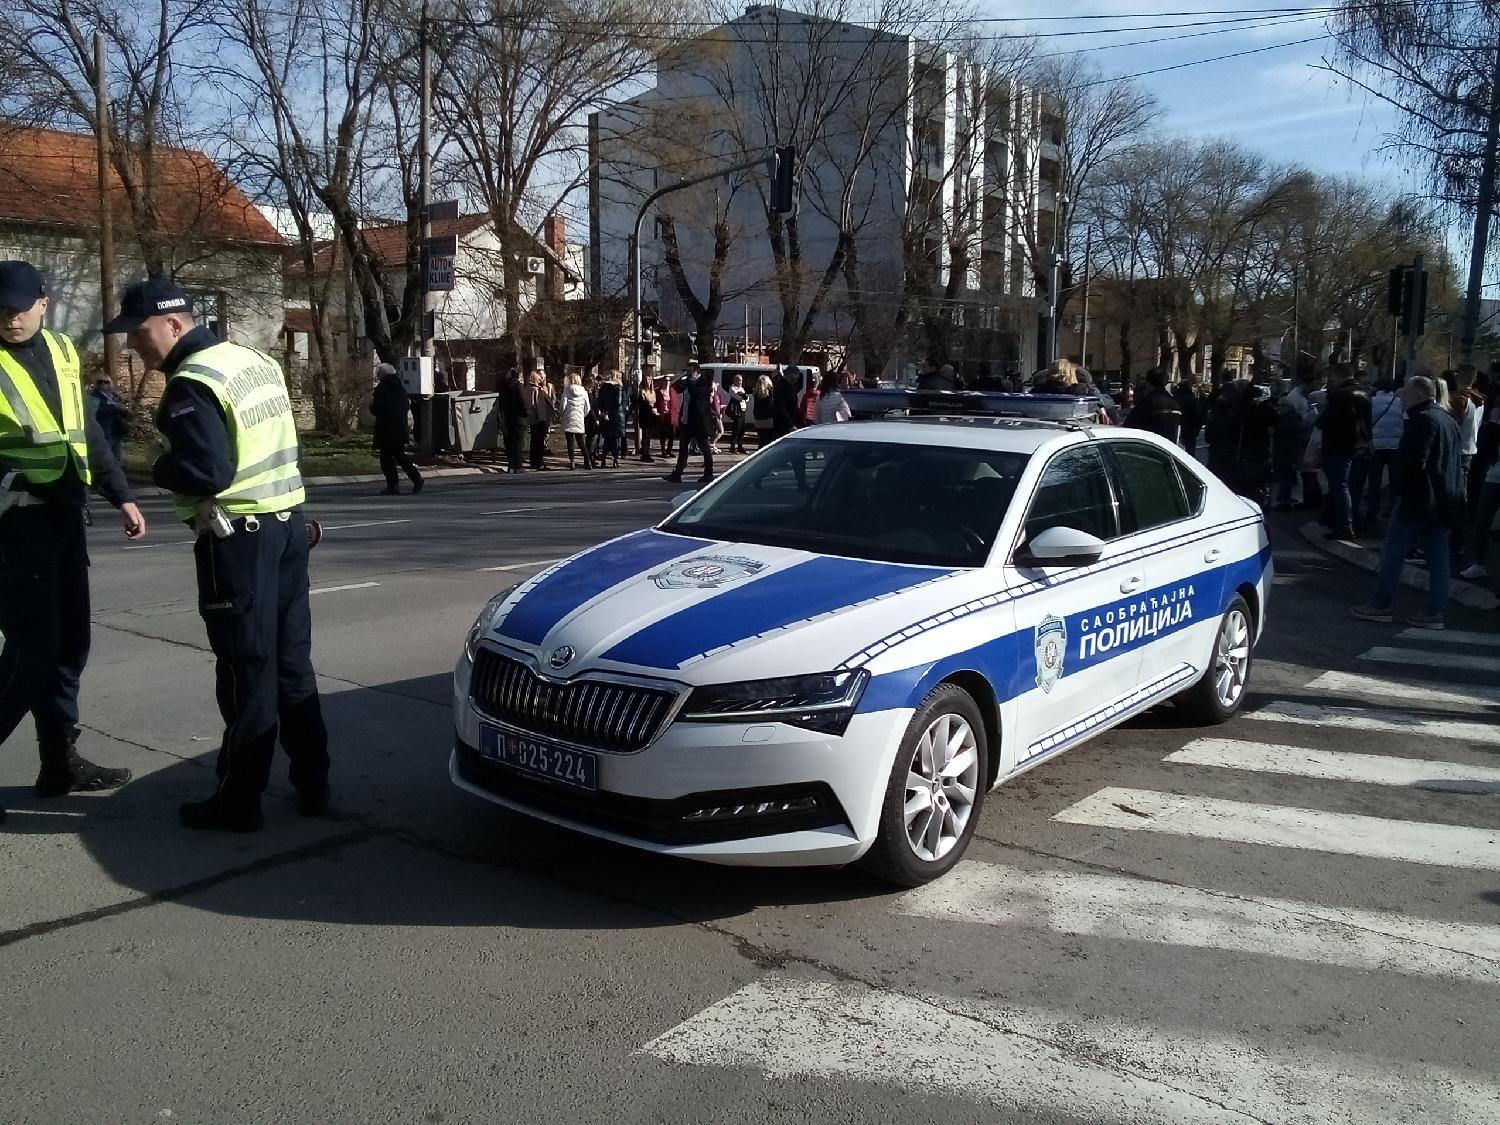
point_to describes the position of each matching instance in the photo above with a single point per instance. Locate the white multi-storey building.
(922, 195)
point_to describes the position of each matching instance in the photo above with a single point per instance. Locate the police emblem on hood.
(1051, 645)
(706, 572)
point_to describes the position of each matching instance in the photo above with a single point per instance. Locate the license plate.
(540, 758)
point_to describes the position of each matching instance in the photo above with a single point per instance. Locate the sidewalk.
(1366, 556)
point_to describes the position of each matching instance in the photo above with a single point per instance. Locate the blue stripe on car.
(799, 593)
(588, 576)
(1009, 663)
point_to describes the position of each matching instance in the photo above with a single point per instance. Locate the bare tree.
(320, 110)
(521, 78)
(1438, 63)
(50, 57)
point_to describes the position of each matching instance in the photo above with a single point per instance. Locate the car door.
(1162, 518)
(1066, 678)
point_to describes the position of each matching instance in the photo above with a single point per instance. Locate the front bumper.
(646, 799)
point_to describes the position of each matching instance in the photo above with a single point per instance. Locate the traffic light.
(784, 180)
(1407, 299)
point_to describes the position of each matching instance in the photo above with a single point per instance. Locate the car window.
(1074, 492)
(1193, 485)
(888, 501)
(1153, 489)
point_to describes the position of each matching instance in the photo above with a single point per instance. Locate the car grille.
(596, 713)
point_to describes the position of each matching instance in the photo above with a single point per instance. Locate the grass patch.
(322, 456)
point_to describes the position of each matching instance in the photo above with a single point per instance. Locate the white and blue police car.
(836, 650)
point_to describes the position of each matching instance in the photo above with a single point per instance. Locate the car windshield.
(886, 501)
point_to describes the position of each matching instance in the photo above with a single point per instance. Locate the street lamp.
(1058, 210)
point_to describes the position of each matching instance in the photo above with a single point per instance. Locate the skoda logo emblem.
(561, 657)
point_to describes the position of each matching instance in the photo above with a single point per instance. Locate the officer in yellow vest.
(229, 458)
(51, 450)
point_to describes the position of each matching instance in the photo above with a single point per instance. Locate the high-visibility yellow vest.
(33, 441)
(251, 390)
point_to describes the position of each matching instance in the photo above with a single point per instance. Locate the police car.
(836, 650)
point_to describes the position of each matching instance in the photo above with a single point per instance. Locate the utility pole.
(1296, 315)
(1483, 206)
(1088, 258)
(425, 141)
(106, 218)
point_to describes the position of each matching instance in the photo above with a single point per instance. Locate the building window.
(211, 309)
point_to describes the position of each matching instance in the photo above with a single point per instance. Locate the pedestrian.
(514, 420)
(392, 410)
(575, 408)
(1387, 420)
(1345, 425)
(666, 423)
(736, 408)
(645, 418)
(51, 452)
(1192, 414)
(229, 458)
(1429, 504)
(763, 410)
(1304, 402)
(1482, 527)
(1467, 407)
(1156, 409)
(807, 406)
(697, 424)
(592, 437)
(832, 406)
(935, 378)
(784, 403)
(540, 414)
(112, 414)
(610, 409)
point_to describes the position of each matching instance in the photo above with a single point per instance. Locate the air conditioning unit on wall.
(535, 265)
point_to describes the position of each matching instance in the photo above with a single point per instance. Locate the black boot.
(214, 816)
(64, 770)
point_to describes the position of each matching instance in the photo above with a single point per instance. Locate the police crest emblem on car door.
(1051, 645)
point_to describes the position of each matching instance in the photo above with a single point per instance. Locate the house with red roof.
(202, 228)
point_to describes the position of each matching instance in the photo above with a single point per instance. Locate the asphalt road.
(1167, 924)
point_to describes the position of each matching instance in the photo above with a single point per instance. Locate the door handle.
(1213, 556)
(1130, 585)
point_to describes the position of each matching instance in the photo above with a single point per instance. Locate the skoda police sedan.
(836, 650)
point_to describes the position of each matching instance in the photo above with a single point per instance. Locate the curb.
(1366, 558)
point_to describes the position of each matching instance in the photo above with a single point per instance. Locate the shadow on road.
(397, 827)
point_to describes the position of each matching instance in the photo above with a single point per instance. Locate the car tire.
(1220, 691)
(912, 849)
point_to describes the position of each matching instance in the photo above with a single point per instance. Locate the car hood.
(705, 611)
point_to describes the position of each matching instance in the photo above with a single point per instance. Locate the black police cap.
(21, 284)
(156, 296)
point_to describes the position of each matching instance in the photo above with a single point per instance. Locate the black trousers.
(252, 593)
(390, 459)
(539, 444)
(44, 614)
(687, 437)
(515, 446)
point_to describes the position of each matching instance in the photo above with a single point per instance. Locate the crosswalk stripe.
(1280, 826)
(1108, 906)
(1449, 636)
(1329, 765)
(1409, 692)
(1036, 1062)
(1358, 718)
(1443, 661)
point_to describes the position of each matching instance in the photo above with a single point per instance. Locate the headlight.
(823, 702)
(482, 623)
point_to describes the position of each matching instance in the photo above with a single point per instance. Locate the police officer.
(229, 458)
(51, 450)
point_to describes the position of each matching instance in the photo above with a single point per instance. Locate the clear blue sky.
(1277, 101)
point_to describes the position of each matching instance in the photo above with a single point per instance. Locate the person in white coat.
(575, 409)
(832, 406)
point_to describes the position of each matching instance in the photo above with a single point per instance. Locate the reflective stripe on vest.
(251, 390)
(33, 441)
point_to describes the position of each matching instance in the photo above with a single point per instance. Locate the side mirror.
(1060, 546)
(683, 498)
